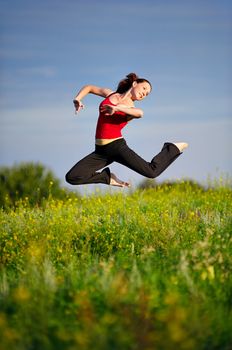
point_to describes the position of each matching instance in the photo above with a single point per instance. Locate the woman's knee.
(68, 178)
(152, 173)
(73, 180)
(151, 176)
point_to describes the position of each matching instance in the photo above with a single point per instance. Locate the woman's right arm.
(89, 89)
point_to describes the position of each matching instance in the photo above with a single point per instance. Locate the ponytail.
(125, 84)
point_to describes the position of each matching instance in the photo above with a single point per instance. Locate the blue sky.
(50, 49)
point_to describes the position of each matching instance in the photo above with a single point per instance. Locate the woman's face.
(140, 90)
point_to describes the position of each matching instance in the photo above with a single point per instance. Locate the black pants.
(86, 170)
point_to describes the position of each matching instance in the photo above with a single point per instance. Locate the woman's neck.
(126, 96)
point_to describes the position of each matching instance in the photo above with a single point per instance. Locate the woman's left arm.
(130, 111)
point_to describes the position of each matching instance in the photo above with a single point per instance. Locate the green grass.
(146, 270)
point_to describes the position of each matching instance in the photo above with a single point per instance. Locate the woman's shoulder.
(110, 98)
(113, 97)
(108, 92)
(116, 98)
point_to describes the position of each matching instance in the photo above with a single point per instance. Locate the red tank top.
(110, 126)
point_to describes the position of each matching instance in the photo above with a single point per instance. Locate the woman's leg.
(158, 164)
(85, 171)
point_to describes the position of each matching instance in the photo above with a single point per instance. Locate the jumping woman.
(115, 111)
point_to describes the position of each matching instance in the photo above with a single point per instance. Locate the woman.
(115, 111)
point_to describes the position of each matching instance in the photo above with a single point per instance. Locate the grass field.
(144, 271)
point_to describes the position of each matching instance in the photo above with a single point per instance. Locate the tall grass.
(146, 270)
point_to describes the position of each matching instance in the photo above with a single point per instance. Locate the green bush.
(30, 181)
(187, 183)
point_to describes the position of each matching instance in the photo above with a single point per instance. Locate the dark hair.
(125, 84)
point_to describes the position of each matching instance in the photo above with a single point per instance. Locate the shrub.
(30, 181)
(181, 184)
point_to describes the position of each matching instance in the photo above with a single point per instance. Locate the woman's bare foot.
(181, 145)
(114, 181)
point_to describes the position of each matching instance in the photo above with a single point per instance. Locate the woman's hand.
(78, 106)
(108, 109)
